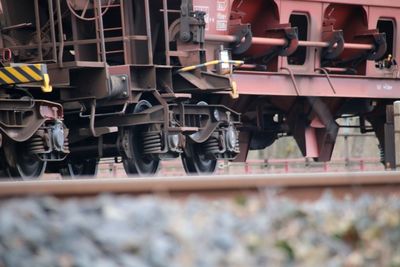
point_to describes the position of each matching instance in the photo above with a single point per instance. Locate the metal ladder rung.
(112, 5)
(171, 11)
(113, 29)
(139, 37)
(115, 52)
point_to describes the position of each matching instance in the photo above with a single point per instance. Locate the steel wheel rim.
(27, 167)
(195, 162)
(139, 164)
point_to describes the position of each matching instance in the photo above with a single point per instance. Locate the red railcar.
(309, 63)
(143, 81)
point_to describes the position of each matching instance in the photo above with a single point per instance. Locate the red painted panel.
(311, 143)
(316, 85)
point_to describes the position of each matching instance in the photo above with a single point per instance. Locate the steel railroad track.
(299, 186)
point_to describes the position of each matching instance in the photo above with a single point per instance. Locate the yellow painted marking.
(31, 73)
(38, 66)
(17, 75)
(234, 93)
(6, 78)
(46, 88)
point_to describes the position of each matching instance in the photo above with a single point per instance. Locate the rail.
(312, 183)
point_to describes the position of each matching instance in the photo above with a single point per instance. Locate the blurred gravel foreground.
(111, 231)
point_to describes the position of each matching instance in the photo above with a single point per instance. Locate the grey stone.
(110, 231)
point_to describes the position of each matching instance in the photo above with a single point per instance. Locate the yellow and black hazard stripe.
(25, 73)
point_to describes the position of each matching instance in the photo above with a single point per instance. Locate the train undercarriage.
(150, 131)
(32, 132)
(144, 81)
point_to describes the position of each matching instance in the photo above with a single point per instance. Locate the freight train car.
(114, 66)
(308, 63)
(142, 81)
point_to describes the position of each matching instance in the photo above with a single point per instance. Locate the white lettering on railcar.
(221, 16)
(385, 86)
(222, 5)
(222, 25)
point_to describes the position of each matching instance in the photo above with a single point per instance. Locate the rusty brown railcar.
(124, 91)
(146, 80)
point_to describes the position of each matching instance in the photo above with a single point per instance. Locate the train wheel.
(80, 169)
(196, 162)
(21, 164)
(140, 164)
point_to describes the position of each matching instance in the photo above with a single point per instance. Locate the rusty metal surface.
(20, 118)
(300, 186)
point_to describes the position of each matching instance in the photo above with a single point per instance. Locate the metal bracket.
(380, 46)
(242, 32)
(290, 34)
(192, 23)
(118, 86)
(292, 38)
(336, 43)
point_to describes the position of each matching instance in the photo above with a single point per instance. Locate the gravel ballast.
(114, 231)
